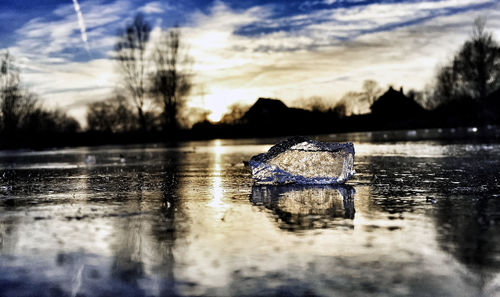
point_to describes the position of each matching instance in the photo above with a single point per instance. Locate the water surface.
(420, 218)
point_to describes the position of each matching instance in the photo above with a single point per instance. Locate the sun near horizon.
(241, 51)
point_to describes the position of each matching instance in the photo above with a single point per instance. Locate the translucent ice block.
(303, 161)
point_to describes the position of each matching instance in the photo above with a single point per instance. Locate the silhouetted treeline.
(23, 120)
(466, 92)
(156, 80)
(115, 115)
(466, 89)
(271, 117)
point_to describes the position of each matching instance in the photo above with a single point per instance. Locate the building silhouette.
(397, 105)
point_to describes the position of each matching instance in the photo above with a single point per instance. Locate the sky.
(242, 49)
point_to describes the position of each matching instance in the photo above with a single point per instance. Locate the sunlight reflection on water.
(419, 219)
(217, 202)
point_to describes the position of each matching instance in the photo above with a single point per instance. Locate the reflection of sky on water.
(186, 221)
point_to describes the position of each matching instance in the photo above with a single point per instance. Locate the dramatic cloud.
(153, 7)
(285, 49)
(245, 54)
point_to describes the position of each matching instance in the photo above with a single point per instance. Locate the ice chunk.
(306, 206)
(303, 161)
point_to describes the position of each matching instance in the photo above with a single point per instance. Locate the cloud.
(154, 7)
(344, 23)
(60, 36)
(324, 48)
(398, 44)
(56, 66)
(70, 86)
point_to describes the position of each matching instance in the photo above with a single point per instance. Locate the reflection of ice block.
(303, 161)
(306, 206)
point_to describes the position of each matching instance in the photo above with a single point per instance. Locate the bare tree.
(352, 102)
(236, 112)
(171, 79)
(193, 115)
(133, 62)
(474, 72)
(477, 64)
(50, 121)
(16, 104)
(313, 103)
(340, 110)
(419, 97)
(113, 115)
(371, 91)
(447, 87)
(317, 104)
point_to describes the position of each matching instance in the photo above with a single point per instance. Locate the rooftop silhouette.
(396, 104)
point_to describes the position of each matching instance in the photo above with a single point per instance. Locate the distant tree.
(20, 112)
(424, 97)
(64, 122)
(236, 112)
(317, 104)
(50, 121)
(417, 96)
(133, 62)
(340, 110)
(313, 103)
(100, 117)
(352, 102)
(16, 103)
(193, 115)
(447, 88)
(477, 64)
(474, 72)
(355, 102)
(371, 91)
(113, 115)
(171, 79)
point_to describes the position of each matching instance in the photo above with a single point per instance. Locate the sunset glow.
(286, 50)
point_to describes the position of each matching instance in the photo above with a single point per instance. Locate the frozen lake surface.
(420, 218)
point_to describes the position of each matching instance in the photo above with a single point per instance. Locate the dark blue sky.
(243, 49)
(14, 14)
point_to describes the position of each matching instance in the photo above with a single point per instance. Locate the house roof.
(395, 103)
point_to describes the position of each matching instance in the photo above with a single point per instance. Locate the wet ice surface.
(420, 218)
(300, 160)
(306, 206)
